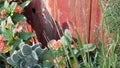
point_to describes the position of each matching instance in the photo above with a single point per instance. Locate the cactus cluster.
(27, 56)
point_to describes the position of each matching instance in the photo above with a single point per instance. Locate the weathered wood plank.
(85, 14)
(68, 12)
(96, 16)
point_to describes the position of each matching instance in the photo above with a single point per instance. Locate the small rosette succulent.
(27, 56)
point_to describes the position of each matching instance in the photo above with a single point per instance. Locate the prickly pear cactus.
(27, 56)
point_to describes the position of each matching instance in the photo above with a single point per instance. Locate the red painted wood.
(68, 12)
(95, 21)
(79, 13)
(84, 14)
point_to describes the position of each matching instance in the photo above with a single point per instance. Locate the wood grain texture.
(96, 16)
(44, 15)
(68, 12)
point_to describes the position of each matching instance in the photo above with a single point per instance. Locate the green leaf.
(26, 36)
(36, 45)
(19, 53)
(10, 61)
(9, 20)
(26, 50)
(21, 44)
(48, 64)
(64, 41)
(8, 34)
(16, 42)
(6, 4)
(22, 64)
(47, 56)
(13, 6)
(75, 51)
(68, 35)
(34, 55)
(37, 66)
(15, 58)
(39, 50)
(3, 25)
(89, 47)
(23, 5)
(18, 17)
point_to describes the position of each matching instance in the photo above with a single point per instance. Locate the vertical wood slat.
(80, 15)
(85, 14)
(96, 16)
(69, 12)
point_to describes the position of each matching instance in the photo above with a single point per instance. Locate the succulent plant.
(27, 56)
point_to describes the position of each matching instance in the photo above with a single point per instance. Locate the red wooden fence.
(44, 15)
